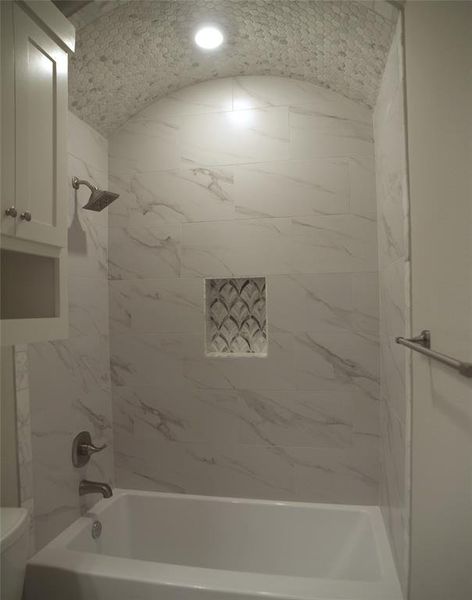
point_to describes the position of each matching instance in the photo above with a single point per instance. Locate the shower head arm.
(76, 183)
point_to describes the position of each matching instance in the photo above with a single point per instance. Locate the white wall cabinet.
(36, 40)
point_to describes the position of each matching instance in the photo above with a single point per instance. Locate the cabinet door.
(8, 219)
(40, 119)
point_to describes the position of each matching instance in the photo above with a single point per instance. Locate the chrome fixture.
(423, 339)
(96, 529)
(95, 487)
(83, 448)
(25, 216)
(99, 199)
(11, 212)
(422, 344)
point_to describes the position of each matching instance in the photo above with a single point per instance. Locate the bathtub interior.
(325, 541)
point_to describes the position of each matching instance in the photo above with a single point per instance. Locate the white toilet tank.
(13, 551)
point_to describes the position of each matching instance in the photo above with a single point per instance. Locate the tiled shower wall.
(247, 177)
(69, 383)
(394, 275)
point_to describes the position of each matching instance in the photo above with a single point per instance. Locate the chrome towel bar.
(422, 344)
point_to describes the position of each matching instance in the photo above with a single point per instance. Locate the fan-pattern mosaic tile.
(131, 53)
(236, 320)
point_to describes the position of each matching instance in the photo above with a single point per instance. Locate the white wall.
(394, 284)
(255, 176)
(439, 114)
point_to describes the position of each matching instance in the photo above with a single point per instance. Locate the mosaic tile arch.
(236, 320)
(131, 53)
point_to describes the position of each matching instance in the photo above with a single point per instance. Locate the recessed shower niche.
(236, 322)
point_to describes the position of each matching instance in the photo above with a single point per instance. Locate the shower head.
(99, 199)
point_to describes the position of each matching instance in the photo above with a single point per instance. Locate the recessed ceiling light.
(209, 38)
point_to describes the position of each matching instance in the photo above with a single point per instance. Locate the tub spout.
(95, 487)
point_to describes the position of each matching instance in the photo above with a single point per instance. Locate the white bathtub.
(174, 547)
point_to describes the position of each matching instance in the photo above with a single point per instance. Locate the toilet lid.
(13, 522)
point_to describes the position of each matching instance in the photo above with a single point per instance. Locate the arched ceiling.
(129, 53)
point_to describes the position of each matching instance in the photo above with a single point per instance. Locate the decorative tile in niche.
(236, 321)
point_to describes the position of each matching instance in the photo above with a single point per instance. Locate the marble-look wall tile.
(252, 471)
(88, 313)
(235, 137)
(326, 361)
(24, 438)
(233, 429)
(87, 230)
(260, 92)
(29, 505)
(187, 416)
(321, 301)
(143, 245)
(153, 143)
(324, 302)
(275, 179)
(272, 372)
(365, 300)
(208, 97)
(158, 465)
(319, 135)
(309, 419)
(69, 380)
(246, 248)
(394, 286)
(76, 398)
(366, 413)
(86, 144)
(147, 359)
(166, 305)
(21, 367)
(175, 196)
(332, 244)
(393, 293)
(183, 195)
(298, 187)
(324, 475)
(24, 441)
(394, 487)
(362, 182)
(88, 249)
(80, 363)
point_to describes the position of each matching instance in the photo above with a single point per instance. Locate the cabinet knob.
(25, 216)
(11, 212)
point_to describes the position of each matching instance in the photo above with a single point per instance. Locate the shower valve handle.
(83, 448)
(89, 449)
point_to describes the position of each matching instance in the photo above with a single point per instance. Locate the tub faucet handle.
(83, 448)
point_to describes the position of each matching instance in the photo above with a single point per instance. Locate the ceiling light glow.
(209, 38)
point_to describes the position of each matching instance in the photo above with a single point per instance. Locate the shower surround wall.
(69, 383)
(246, 177)
(394, 276)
